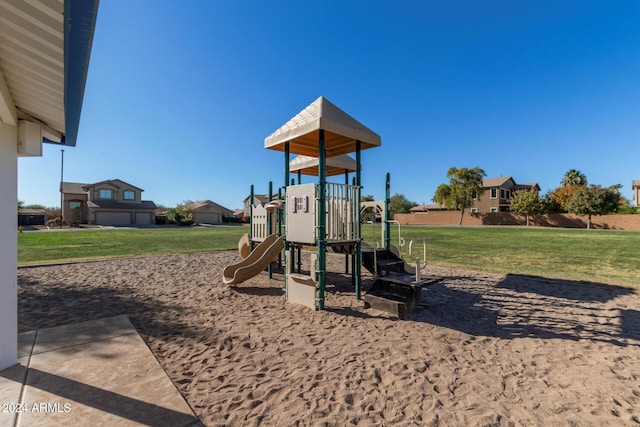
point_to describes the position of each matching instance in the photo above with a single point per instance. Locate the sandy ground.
(487, 349)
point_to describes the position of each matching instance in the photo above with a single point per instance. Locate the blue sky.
(180, 95)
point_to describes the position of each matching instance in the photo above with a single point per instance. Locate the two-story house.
(498, 192)
(258, 200)
(110, 202)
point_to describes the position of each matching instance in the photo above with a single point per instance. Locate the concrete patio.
(95, 373)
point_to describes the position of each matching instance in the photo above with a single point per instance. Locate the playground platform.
(99, 372)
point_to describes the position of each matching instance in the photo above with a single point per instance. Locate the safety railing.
(419, 265)
(343, 208)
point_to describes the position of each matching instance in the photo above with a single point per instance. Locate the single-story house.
(110, 202)
(424, 208)
(31, 217)
(208, 212)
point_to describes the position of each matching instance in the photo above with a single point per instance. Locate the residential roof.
(112, 204)
(118, 183)
(341, 132)
(527, 186)
(496, 182)
(203, 203)
(308, 165)
(425, 208)
(264, 198)
(73, 188)
(31, 211)
(45, 47)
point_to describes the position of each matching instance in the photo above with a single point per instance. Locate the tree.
(561, 196)
(594, 200)
(443, 192)
(367, 198)
(574, 177)
(181, 214)
(35, 206)
(526, 203)
(399, 204)
(20, 204)
(464, 185)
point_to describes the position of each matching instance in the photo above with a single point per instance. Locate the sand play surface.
(488, 350)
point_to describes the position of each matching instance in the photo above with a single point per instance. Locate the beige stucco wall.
(614, 222)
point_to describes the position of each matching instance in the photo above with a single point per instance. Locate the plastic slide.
(244, 246)
(256, 262)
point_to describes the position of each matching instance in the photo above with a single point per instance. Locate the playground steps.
(397, 294)
(387, 262)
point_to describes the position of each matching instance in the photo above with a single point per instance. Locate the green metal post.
(387, 213)
(279, 218)
(282, 216)
(322, 219)
(251, 219)
(281, 213)
(286, 163)
(270, 225)
(358, 265)
(353, 253)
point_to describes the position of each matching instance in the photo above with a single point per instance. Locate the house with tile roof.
(109, 202)
(208, 212)
(498, 192)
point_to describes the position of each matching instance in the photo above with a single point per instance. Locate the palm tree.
(574, 177)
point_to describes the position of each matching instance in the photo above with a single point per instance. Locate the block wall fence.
(610, 222)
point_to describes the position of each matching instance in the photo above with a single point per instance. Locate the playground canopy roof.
(341, 132)
(335, 165)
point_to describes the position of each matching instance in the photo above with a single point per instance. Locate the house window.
(504, 194)
(75, 205)
(475, 195)
(494, 209)
(474, 210)
(106, 194)
(494, 193)
(129, 195)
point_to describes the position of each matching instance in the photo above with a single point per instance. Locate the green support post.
(286, 164)
(353, 253)
(358, 264)
(322, 219)
(270, 224)
(287, 155)
(283, 215)
(387, 213)
(251, 219)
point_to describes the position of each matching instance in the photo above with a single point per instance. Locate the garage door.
(143, 218)
(113, 218)
(207, 218)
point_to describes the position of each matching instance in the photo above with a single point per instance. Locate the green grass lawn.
(606, 256)
(591, 255)
(50, 246)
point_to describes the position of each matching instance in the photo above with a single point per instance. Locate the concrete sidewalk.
(94, 373)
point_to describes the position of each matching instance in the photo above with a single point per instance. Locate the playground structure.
(324, 215)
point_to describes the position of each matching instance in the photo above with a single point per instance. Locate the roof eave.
(79, 25)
